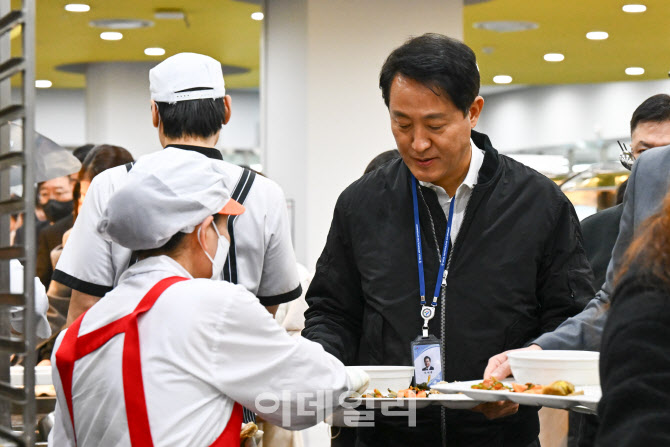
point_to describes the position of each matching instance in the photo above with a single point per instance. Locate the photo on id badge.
(427, 364)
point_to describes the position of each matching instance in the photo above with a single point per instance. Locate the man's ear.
(227, 103)
(475, 110)
(155, 117)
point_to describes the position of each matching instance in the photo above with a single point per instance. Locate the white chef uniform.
(260, 242)
(204, 346)
(182, 367)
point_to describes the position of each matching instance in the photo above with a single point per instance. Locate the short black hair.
(195, 118)
(655, 109)
(381, 160)
(426, 357)
(82, 151)
(440, 63)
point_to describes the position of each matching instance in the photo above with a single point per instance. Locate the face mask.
(221, 253)
(55, 210)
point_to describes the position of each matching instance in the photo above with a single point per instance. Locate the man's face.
(426, 362)
(59, 189)
(649, 134)
(432, 134)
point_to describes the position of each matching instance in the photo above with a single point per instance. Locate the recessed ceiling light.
(502, 79)
(257, 16)
(553, 57)
(505, 26)
(597, 35)
(634, 71)
(634, 8)
(121, 23)
(111, 35)
(77, 7)
(42, 83)
(154, 51)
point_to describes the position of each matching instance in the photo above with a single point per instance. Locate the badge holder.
(427, 353)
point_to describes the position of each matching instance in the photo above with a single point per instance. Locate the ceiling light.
(597, 35)
(77, 7)
(111, 35)
(502, 79)
(634, 8)
(42, 83)
(154, 51)
(553, 57)
(505, 26)
(634, 71)
(121, 23)
(169, 14)
(257, 16)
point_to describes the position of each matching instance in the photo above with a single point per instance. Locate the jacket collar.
(206, 151)
(491, 168)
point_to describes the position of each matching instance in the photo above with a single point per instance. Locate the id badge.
(427, 360)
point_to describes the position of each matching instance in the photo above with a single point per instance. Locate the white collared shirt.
(463, 192)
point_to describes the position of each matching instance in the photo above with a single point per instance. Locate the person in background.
(381, 160)
(182, 387)
(97, 160)
(516, 267)
(51, 239)
(650, 171)
(635, 352)
(56, 198)
(188, 108)
(650, 127)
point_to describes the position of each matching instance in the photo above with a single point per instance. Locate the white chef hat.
(169, 80)
(167, 192)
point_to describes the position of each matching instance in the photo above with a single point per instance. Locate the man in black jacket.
(515, 263)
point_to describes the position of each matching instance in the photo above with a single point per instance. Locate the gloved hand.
(358, 379)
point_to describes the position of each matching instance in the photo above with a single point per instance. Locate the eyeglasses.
(626, 157)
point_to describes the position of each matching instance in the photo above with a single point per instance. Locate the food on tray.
(420, 391)
(248, 430)
(491, 384)
(558, 388)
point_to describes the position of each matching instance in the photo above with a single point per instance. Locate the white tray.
(590, 399)
(453, 401)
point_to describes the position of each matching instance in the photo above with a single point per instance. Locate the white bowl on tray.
(545, 367)
(384, 377)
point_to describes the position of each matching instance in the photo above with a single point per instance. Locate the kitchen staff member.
(168, 356)
(188, 106)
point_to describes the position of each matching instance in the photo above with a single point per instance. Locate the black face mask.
(55, 210)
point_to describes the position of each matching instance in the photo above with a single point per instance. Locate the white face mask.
(221, 253)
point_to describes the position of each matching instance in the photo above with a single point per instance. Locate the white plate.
(453, 401)
(590, 398)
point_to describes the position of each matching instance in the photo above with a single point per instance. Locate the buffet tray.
(453, 401)
(589, 400)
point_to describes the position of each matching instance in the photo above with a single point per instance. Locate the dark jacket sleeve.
(43, 268)
(335, 312)
(565, 276)
(635, 369)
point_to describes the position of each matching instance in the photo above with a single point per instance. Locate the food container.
(42, 375)
(545, 367)
(389, 377)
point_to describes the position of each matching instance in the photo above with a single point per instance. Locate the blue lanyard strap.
(419, 254)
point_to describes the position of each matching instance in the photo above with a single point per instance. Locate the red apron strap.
(72, 348)
(231, 434)
(65, 358)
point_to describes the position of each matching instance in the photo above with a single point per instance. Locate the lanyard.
(427, 312)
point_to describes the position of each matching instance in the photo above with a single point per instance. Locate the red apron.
(74, 347)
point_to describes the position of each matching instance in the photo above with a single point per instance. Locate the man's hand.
(498, 366)
(495, 410)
